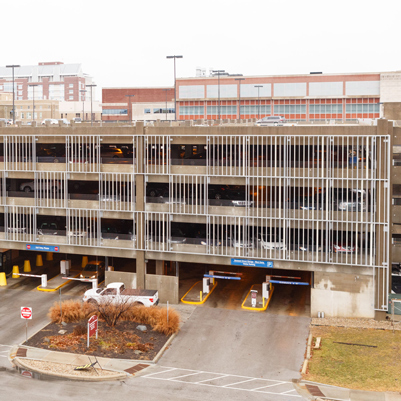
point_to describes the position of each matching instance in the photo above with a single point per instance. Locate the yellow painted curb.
(200, 302)
(258, 309)
(55, 289)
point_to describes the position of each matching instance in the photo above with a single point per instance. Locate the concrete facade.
(106, 207)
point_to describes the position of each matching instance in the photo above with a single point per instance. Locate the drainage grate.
(314, 390)
(136, 368)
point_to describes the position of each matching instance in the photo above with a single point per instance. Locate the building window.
(146, 111)
(19, 86)
(192, 110)
(71, 97)
(115, 111)
(71, 91)
(71, 85)
(22, 115)
(162, 111)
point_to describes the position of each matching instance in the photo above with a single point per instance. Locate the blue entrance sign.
(288, 282)
(223, 277)
(252, 263)
(42, 248)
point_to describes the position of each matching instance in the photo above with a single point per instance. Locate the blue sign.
(42, 248)
(223, 277)
(288, 282)
(252, 263)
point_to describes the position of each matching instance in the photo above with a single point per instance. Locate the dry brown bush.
(72, 311)
(170, 327)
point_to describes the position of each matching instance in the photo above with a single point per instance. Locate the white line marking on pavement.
(234, 384)
(247, 379)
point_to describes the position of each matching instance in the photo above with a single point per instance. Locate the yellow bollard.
(200, 296)
(3, 280)
(27, 266)
(15, 270)
(84, 261)
(49, 255)
(39, 260)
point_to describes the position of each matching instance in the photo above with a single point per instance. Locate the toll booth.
(6, 264)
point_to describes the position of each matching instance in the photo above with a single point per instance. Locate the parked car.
(271, 242)
(235, 195)
(271, 120)
(51, 121)
(116, 293)
(46, 185)
(93, 269)
(64, 121)
(48, 229)
(6, 122)
(111, 152)
(77, 120)
(343, 243)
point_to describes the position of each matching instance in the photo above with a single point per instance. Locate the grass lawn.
(355, 366)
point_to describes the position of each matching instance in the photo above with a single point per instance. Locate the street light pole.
(33, 99)
(130, 107)
(239, 98)
(175, 87)
(166, 90)
(258, 86)
(91, 86)
(83, 91)
(13, 66)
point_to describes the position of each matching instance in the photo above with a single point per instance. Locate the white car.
(269, 242)
(64, 121)
(271, 120)
(52, 121)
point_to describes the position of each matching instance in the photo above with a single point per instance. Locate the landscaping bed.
(124, 341)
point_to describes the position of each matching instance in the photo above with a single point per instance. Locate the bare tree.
(110, 310)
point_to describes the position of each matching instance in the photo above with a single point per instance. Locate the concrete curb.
(161, 352)
(44, 373)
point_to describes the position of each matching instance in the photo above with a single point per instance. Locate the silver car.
(271, 120)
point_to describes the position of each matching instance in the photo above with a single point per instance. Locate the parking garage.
(306, 199)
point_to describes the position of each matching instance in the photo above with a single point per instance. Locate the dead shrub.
(71, 312)
(79, 330)
(167, 327)
(154, 316)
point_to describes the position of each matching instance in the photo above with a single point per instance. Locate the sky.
(123, 43)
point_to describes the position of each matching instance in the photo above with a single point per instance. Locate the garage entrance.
(293, 300)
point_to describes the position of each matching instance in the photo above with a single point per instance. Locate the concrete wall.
(166, 285)
(129, 279)
(342, 295)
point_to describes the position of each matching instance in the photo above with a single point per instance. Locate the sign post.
(26, 313)
(92, 327)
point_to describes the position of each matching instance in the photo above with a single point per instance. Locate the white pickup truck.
(116, 293)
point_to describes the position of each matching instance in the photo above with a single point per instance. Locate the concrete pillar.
(383, 238)
(140, 207)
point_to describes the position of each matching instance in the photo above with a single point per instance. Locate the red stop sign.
(26, 312)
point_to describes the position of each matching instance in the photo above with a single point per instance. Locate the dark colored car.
(233, 193)
(94, 269)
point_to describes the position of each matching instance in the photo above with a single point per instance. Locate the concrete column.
(140, 207)
(382, 275)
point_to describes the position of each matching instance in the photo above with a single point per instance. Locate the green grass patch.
(357, 366)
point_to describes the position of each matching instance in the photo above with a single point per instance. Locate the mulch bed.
(124, 341)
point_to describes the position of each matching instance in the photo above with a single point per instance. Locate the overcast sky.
(124, 43)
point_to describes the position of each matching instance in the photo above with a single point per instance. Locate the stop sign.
(26, 312)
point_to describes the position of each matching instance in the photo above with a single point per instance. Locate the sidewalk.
(317, 391)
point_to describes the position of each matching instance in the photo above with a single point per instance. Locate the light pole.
(175, 87)
(258, 86)
(83, 91)
(166, 90)
(130, 107)
(239, 99)
(33, 100)
(13, 66)
(91, 86)
(218, 72)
